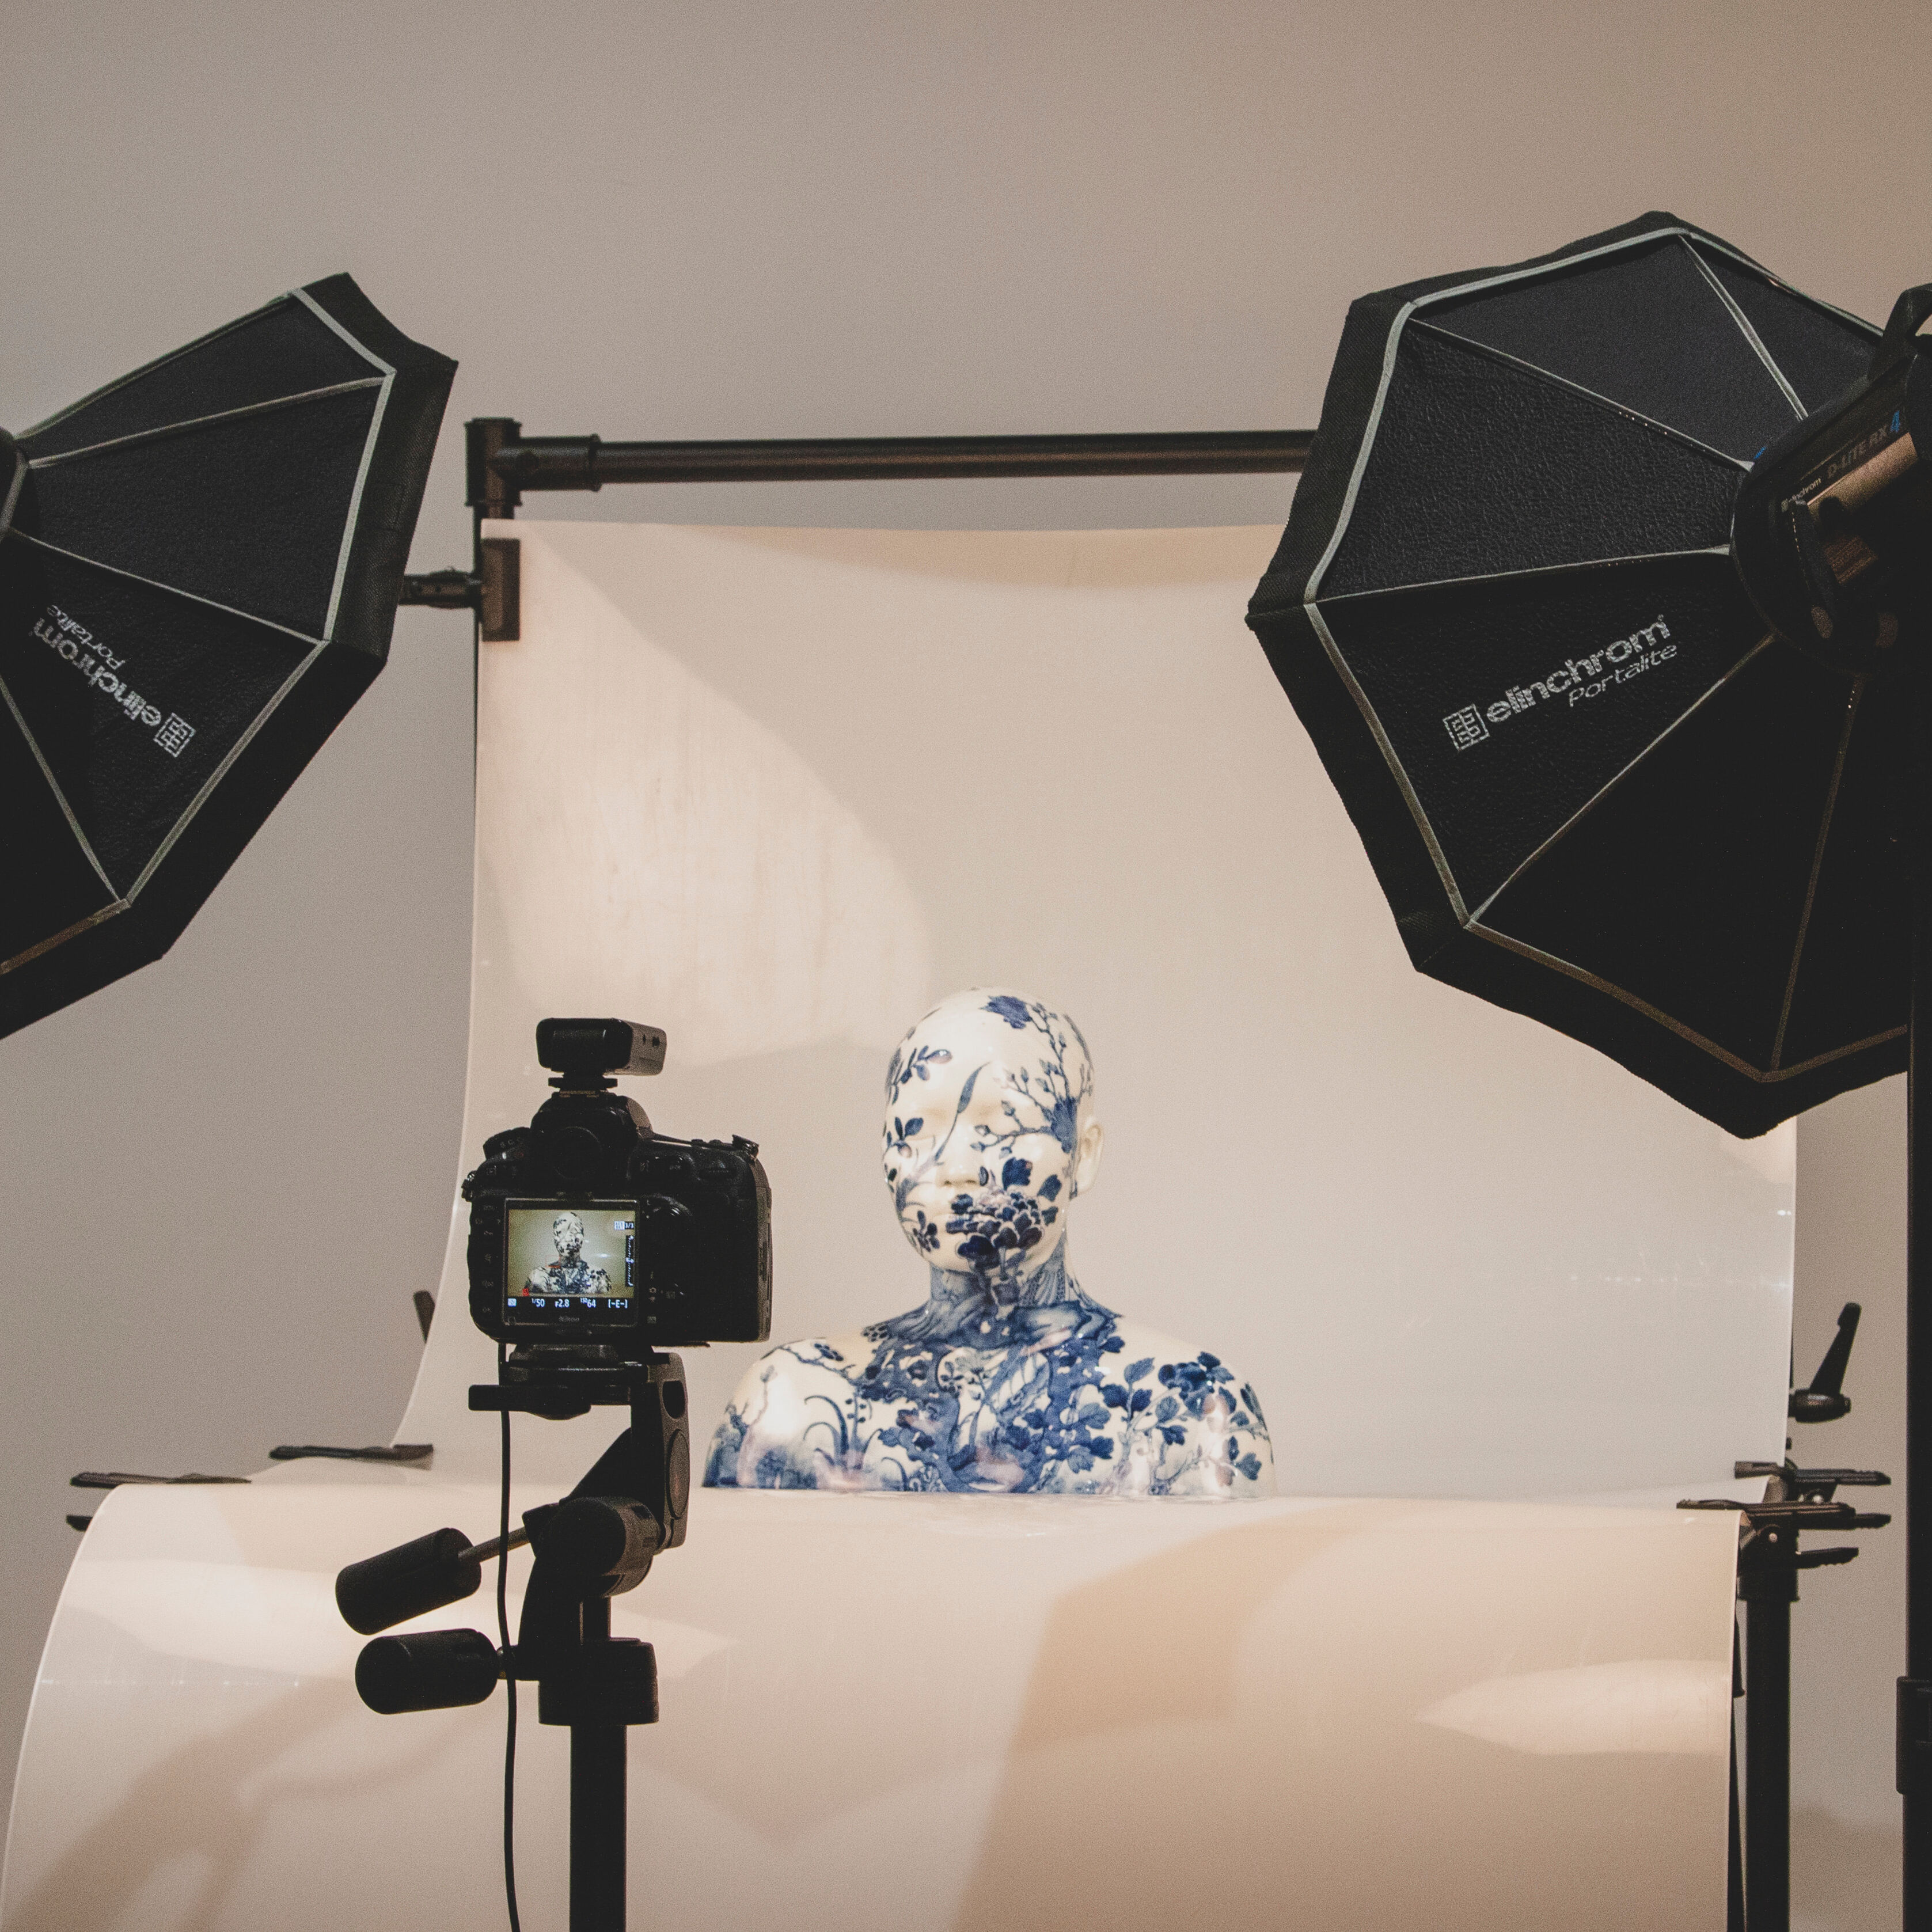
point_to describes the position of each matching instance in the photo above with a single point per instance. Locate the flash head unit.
(583, 1053)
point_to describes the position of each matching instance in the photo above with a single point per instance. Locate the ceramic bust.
(1010, 1378)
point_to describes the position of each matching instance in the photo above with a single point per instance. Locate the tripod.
(595, 1543)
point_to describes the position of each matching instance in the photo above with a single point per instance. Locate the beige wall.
(220, 1181)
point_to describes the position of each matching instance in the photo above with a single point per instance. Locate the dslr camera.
(593, 1238)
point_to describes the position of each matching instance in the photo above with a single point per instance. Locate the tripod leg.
(1767, 1762)
(597, 1827)
(597, 1813)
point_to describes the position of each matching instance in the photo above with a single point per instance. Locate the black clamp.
(113, 1479)
(493, 590)
(1795, 1500)
(443, 590)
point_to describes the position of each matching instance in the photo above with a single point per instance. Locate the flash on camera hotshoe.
(595, 1244)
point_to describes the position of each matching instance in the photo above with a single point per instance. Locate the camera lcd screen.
(568, 1265)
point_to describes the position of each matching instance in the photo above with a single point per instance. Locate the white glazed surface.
(1011, 1378)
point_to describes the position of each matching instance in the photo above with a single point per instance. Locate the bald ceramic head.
(989, 1133)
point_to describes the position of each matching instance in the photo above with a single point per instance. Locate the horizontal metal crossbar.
(588, 462)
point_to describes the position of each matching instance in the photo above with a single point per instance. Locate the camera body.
(589, 1229)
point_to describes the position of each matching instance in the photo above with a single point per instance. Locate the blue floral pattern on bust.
(1010, 1378)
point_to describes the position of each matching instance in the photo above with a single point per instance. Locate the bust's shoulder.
(1174, 1362)
(790, 1422)
(806, 1360)
(773, 1393)
(1136, 1340)
(1200, 1418)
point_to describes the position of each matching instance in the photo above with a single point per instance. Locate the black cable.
(509, 1681)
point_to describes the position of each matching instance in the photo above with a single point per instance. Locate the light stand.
(1914, 1748)
(1769, 1558)
(596, 1543)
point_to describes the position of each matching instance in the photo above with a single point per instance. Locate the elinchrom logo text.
(1575, 681)
(67, 637)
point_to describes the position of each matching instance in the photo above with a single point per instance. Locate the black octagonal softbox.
(198, 578)
(1594, 786)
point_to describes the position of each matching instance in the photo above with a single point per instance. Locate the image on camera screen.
(570, 1265)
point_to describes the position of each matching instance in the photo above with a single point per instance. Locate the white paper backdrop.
(773, 789)
(913, 1713)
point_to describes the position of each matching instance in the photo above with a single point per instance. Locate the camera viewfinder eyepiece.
(584, 1053)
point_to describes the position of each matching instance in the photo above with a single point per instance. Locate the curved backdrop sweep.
(775, 790)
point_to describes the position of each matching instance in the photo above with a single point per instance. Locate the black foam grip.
(427, 1670)
(407, 1581)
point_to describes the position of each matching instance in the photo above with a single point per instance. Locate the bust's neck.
(956, 1301)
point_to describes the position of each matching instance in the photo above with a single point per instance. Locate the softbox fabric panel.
(198, 579)
(1593, 788)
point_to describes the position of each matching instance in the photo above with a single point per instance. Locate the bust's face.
(982, 1139)
(567, 1231)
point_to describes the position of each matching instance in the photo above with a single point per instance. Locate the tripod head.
(597, 1543)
